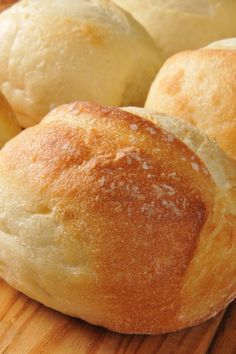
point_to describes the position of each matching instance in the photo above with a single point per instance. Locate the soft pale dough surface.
(54, 52)
(229, 43)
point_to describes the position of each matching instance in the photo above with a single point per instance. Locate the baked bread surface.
(54, 52)
(110, 217)
(200, 87)
(228, 43)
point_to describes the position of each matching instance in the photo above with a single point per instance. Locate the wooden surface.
(28, 327)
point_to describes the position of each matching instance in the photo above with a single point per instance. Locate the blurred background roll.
(177, 25)
(53, 52)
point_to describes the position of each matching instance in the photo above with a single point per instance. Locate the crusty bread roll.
(200, 87)
(8, 124)
(54, 52)
(178, 25)
(4, 4)
(112, 218)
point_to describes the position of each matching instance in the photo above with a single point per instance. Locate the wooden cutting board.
(28, 327)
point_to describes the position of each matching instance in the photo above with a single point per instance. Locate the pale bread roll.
(109, 217)
(8, 124)
(228, 43)
(178, 25)
(200, 87)
(54, 52)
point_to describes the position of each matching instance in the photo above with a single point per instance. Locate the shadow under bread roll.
(119, 219)
(200, 87)
(9, 127)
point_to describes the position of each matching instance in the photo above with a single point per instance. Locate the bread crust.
(105, 215)
(4, 4)
(200, 88)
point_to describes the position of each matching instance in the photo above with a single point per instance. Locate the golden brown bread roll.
(107, 216)
(8, 124)
(54, 52)
(178, 25)
(4, 4)
(200, 87)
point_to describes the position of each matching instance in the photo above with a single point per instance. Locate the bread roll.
(200, 87)
(110, 217)
(54, 52)
(4, 4)
(228, 43)
(8, 124)
(178, 25)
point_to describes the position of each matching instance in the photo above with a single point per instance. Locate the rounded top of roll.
(9, 127)
(178, 25)
(200, 87)
(228, 44)
(54, 52)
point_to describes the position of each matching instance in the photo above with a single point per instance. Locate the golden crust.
(117, 208)
(4, 4)
(209, 261)
(200, 87)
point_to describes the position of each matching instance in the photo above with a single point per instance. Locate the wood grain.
(225, 338)
(28, 327)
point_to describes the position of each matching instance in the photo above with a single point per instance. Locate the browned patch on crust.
(150, 230)
(72, 29)
(216, 99)
(4, 4)
(183, 106)
(132, 195)
(92, 33)
(173, 85)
